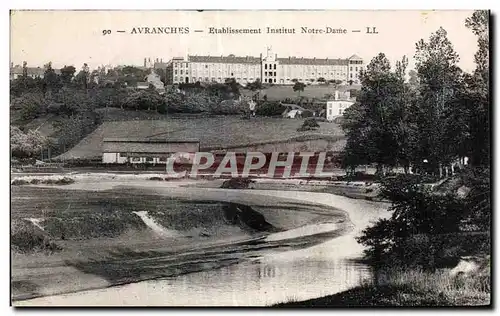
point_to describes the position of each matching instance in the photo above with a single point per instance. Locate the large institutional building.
(269, 69)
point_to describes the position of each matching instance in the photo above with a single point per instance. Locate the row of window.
(180, 65)
(213, 79)
(355, 67)
(330, 112)
(270, 66)
(270, 73)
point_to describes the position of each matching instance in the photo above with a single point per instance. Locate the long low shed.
(140, 150)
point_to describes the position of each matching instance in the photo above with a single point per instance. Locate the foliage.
(256, 85)
(377, 125)
(145, 100)
(420, 228)
(308, 125)
(270, 108)
(298, 86)
(26, 145)
(30, 104)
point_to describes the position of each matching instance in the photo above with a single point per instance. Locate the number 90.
(106, 32)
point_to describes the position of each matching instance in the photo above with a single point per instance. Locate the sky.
(76, 37)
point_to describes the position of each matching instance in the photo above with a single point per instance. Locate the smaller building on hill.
(335, 108)
(144, 150)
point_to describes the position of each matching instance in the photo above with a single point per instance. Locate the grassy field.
(212, 132)
(409, 288)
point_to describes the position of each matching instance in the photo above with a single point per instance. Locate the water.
(275, 276)
(316, 271)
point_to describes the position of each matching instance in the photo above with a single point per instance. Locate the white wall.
(110, 157)
(336, 108)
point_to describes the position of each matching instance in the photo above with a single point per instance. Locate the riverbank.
(409, 288)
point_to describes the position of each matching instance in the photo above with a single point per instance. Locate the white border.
(213, 4)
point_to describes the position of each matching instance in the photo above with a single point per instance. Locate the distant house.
(292, 111)
(33, 72)
(154, 79)
(336, 107)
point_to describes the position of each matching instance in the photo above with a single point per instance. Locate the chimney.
(336, 95)
(145, 61)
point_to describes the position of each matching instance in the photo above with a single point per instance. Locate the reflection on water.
(300, 274)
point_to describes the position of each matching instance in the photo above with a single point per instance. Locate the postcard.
(181, 158)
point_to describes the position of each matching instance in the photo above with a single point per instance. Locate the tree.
(254, 86)
(299, 86)
(26, 145)
(308, 125)
(50, 78)
(233, 86)
(67, 73)
(440, 82)
(376, 126)
(145, 100)
(31, 104)
(478, 92)
(321, 79)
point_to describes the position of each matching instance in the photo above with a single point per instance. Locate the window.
(356, 68)
(265, 66)
(330, 112)
(182, 72)
(274, 66)
(123, 155)
(175, 72)
(274, 80)
(265, 73)
(351, 75)
(275, 73)
(340, 111)
(351, 68)
(206, 66)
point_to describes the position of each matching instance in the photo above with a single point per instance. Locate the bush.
(237, 183)
(308, 125)
(269, 108)
(425, 229)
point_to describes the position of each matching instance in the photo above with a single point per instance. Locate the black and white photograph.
(250, 158)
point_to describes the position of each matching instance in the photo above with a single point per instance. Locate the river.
(272, 277)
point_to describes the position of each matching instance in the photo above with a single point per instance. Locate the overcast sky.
(75, 37)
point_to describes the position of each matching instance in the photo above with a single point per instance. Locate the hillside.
(277, 93)
(213, 132)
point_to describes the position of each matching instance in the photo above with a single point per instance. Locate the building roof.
(149, 140)
(32, 71)
(231, 59)
(312, 61)
(355, 57)
(160, 65)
